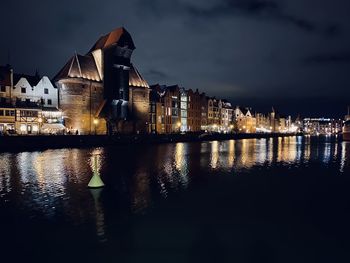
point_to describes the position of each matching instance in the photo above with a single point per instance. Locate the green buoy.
(96, 181)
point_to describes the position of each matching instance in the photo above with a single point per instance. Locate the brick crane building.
(102, 92)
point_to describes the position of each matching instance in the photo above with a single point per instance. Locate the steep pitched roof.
(32, 80)
(118, 36)
(79, 67)
(135, 78)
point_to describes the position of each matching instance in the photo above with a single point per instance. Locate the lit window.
(23, 127)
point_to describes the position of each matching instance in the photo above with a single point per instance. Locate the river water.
(252, 200)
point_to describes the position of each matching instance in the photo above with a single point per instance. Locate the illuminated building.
(204, 112)
(321, 126)
(27, 103)
(184, 110)
(213, 115)
(244, 121)
(194, 111)
(167, 108)
(104, 85)
(225, 116)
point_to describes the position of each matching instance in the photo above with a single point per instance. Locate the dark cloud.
(248, 51)
(156, 74)
(262, 10)
(329, 58)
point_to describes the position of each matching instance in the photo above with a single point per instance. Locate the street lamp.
(179, 125)
(95, 124)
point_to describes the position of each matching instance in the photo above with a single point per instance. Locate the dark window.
(1, 112)
(9, 113)
(49, 102)
(24, 113)
(3, 88)
(23, 90)
(27, 101)
(46, 91)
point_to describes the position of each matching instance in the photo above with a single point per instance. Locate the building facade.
(194, 111)
(103, 92)
(28, 104)
(243, 120)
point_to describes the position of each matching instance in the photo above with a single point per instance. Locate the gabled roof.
(118, 36)
(135, 78)
(32, 80)
(79, 67)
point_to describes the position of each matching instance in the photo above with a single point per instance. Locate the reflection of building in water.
(247, 156)
(345, 153)
(181, 162)
(307, 149)
(5, 186)
(141, 194)
(173, 170)
(99, 215)
(299, 148)
(261, 151)
(327, 153)
(270, 150)
(231, 153)
(286, 149)
(214, 157)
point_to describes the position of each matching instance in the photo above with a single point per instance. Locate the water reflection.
(53, 183)
(214, 158)
(99, 215)
(345, 153)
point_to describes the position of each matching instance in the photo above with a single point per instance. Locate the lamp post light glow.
(178, 124)
(95, 124)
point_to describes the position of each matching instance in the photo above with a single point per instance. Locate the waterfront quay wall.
(30, 143)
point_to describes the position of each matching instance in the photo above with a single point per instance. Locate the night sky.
(291, 54)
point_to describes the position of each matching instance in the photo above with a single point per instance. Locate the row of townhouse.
(174, 109)
(274, 122)
(28, 104)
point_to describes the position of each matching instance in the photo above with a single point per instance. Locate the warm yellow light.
(95, 121)
(40, 120)
(179, 124)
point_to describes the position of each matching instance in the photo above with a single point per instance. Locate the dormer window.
(23, 90)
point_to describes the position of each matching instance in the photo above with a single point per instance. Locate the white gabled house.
(29, 105)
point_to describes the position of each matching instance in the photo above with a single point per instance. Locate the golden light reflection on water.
(45, 180)
(231, 153)
(345, 153)
(214, 158)
(287, 149)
